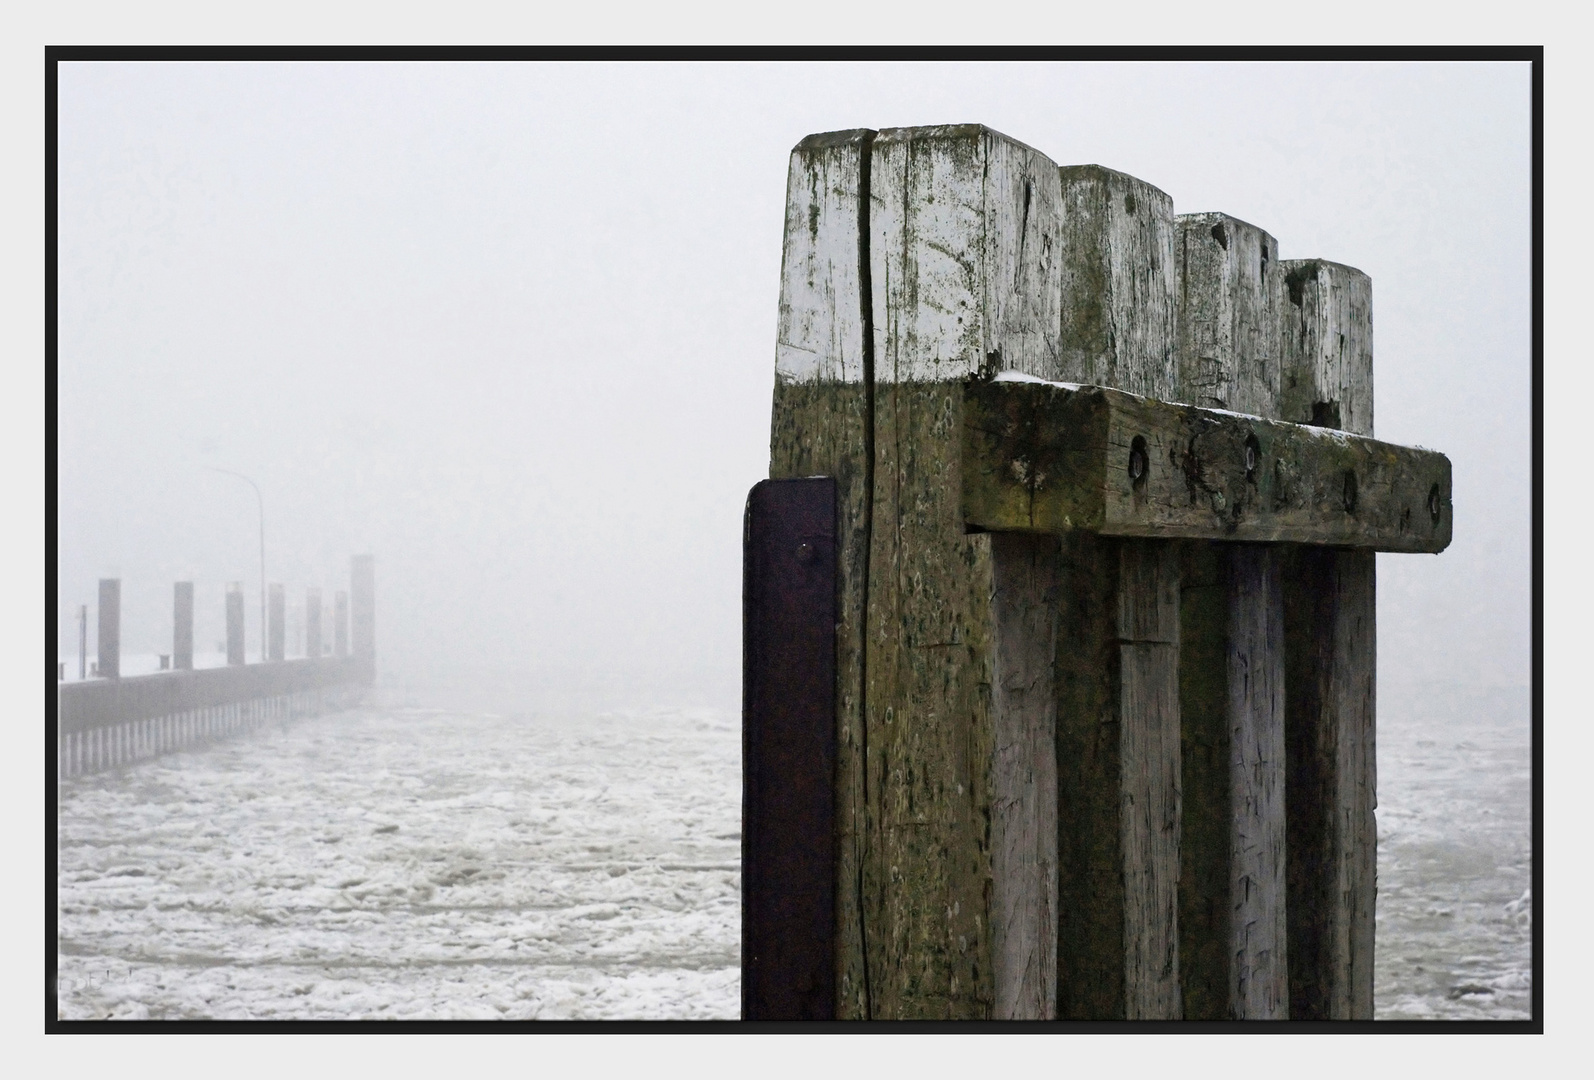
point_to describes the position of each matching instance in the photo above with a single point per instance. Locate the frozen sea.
(424, 863)
(406, 863)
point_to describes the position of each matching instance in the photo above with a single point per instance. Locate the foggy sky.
(511, 329)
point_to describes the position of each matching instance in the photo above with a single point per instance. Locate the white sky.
(511, 327)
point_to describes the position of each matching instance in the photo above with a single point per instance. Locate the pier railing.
(107, 721)
(104, 723)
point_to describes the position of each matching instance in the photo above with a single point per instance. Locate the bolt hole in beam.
(1138, 461)
(1435, 503)
(1253, 454)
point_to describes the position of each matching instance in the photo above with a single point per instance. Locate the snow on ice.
(405, 863)
(412, 864)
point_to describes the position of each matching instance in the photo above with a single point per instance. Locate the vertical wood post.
(110, 640)
(312, 623)
(822, 423)
(82, 642)
(183, 626)
(1232, 895)
(914, 259)
(965, 283)
(1024, 776)
(1330, 640)
(1117, 662)
(275, 623)
(235, 623)
(362, 613)
(340, 624)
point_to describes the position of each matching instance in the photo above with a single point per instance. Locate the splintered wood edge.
(1055, 457)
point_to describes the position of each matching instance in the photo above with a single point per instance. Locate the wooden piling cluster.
(113, 720)
(1103, 657)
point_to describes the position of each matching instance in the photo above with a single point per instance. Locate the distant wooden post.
(1064, 426)
(183, 626)
(276, 631)
(235, 623)
(82, 641)
(340, 623)
(110, 641)
(362, 613)
(312, 623)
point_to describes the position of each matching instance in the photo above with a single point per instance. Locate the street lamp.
(262, 504)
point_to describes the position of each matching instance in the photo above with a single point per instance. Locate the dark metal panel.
(789, 750)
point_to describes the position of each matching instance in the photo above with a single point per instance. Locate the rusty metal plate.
(789, 750)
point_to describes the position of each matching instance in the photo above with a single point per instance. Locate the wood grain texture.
(941, 240)
(1231, 296)
(1258, 972)
(1090, 866)
(1117, 659)
(821, 424)
(1120, 284)
(1204, 734)
(1118, 779)
(1330, 695)
(1231, 341)
(1024, 778)
(1327, 343)
(930, 732)
(1048, 457)
(963, 226)
(1149, 788)
(820, 329)
(964, 235)
(1331, 644)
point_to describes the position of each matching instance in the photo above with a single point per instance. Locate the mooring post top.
(962, 255)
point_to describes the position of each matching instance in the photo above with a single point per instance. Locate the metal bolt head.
(806, 553)
(1436, 504)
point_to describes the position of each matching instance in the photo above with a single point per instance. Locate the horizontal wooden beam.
(1054, 457)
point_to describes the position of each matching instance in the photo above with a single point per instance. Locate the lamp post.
(261, 502)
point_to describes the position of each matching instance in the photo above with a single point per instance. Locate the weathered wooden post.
(275, 622)
(82, 641)
(183, 626)
(1232, 671)
(340, 623)
(110, 643)
(362, 613)
(1070, 608)
(235, 623)
(312, 623)
(1330, 645)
